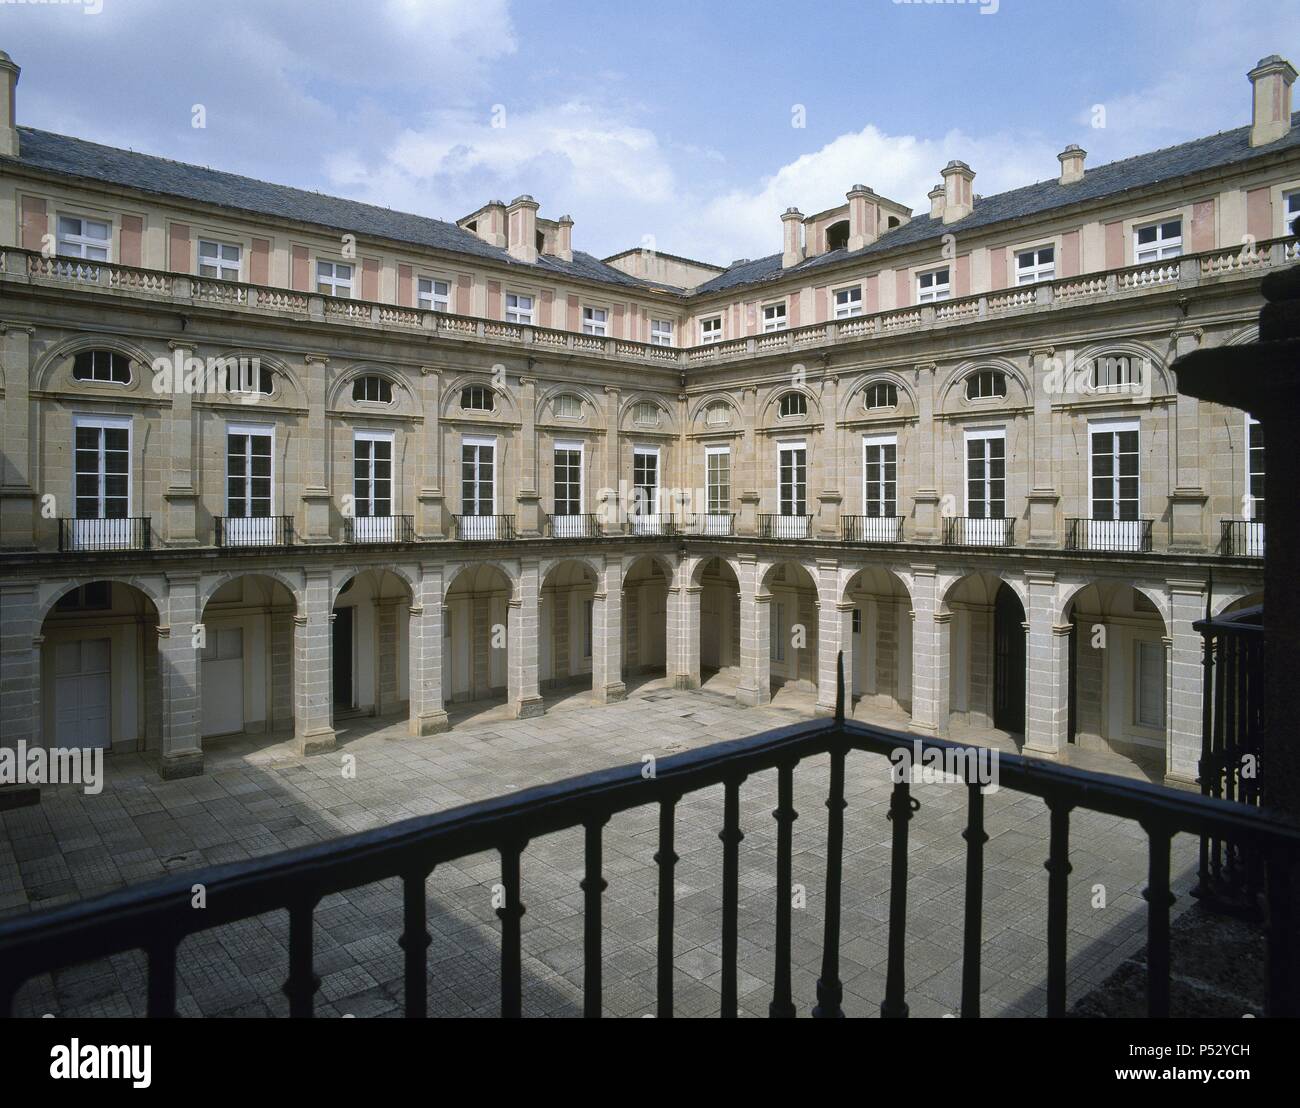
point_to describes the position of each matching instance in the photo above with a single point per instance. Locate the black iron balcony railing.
(652, 524)
(382, 529)
(582, 525)
(1131, 536)
(484, 528)
(243, 531)
(127, 533)
(1232, 739)
(784, 526)
(1242, 538)
(707, 523)
(969, 531)
(157, 917)
(871, 528)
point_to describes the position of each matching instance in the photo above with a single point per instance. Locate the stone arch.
(1244, 336)
(341, 577)
(769, 419)
(452, 573)
(209, 584)
(505, 406)
(695, 568)
(49, 362)
(952, 390)
(704, 403)
(878, 672)
(664, 561)
(545, 568)
(627, 426)
(1236, 600)
(51, 593)
(339, 395)
(548, 395)
(1134, 349)
(851, 408)
(959, 576)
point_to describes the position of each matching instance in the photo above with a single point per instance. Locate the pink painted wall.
(298, 279)
(1203, 225)
(1259, 213)
(998, 267)
(546, 307)
(369, 278)
(405, 286)
(34, 222)
(129, 243)
(179, 248)
(793, 309)
(822, 298)
(494, 300)
(259, 263)
(1069, 254)
(961, 276)
(902, 289)
(1114, 245)
(871, 294)
(616, 328)
(464, 294)
(572, 320)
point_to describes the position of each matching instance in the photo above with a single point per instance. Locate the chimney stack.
(792, 226)
(521, 228)
(936, 202)
(564, 238)
(8, 93)
(864, 217)
(958, 197)
(1271, 82)
(1071, 159)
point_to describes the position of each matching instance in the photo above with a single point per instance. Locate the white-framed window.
(717, 468)
(102, 467)
(371, 388)
(372, 473)
(433, 294)
(567, 406)
(220, 259)
(478, 476)
(250, 470)
(881, 394)
(104, 366)
(1155, 241)
(595, 321)
(1149, 683)
(645, 480)
(717, 414)
(933, 285)
(334, 278)
(774, 317)
(848, 302)
(1038, 264)
(986, 473)
(477, 398)
(792, 405)
(792, 478)
(1113, 446)
(880, 475)
(711, 329)
(646, 414)
(568, 478)
(79, 237)
(1290, 211)
(984, 384)
(1112, 372)
(661, 332)
(519, 308)
(1254, 468)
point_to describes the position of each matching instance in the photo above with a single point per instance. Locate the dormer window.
(793, 405)
(567, 406)
(933, 286)
(102, 365)
(645, 414)
(711, 330)
(477, 398)
(774, 318)
(883, 394)
(837, 236)
(372, 389)
(985, 384)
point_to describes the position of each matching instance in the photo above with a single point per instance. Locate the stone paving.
(257, 797)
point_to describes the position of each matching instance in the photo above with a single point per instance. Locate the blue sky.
(667, 123)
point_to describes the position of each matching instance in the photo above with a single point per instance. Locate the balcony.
(874, 529)
(583, 525)
(253, 531)
(1242, 538)
(86, 535)
(653, 524)
(783, 526)
(720, 524)
(1127, 536)
(379, 529)
(969, 531)
(484, 528)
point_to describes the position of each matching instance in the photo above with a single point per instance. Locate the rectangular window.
(717, 464)
(1290, 212)
(848, 302)
(661, 332)
(880, 476)
(711, 330)
(83, 238)
(334, 279)
(1149, 682)
(519, 308)
(372, 474)
(986, 474)
(933, 286)
(1035, 265)
(1156, 241)
(774, 318)
(568, 478)
(792, 467)
(776, 620)
(478, 477)
(434, 295)
(595, 321)
(249, 452)
(219, 259)
(645, 480)
(102, 467)
(1254, 468)
(1114, 449)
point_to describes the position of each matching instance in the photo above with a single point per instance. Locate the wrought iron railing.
(784, 526)
(1242, 538)
(158, 916)
(232, 531)
(583, 525)
(871, 528)
(652, 524)
(384, 529)
(706, 524)
(484, 528)
(126, 533)
(969, 531)
(1131, 536)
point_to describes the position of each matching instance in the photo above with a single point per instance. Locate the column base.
(686, 681)
(529, 707)
(611, 693)
(750, 698)
(824, 710)
(432, 723)
(1049, 750)
(315, 742)
(185, 763)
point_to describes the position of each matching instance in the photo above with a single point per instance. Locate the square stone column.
(931, 657)
(428, 713)
(831, 636)
(1184, 654)
(20, 667)
(755, 635)
(179, 641)
(18, 500)
(523, 640)
(313, 674)
(1043, 497)
(607, 634)
(1047, 680)
(684, 636)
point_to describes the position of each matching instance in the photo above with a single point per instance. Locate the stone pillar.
(523, 640)
(831, 636)
(314, 460)
(607, 634)
(931, 677)
(755, 634)
(1047, 683)
(684, 634)
(1043, 493)
(17, 497)
(430, 518)
(748, 475)
(929, 525)
(610, 504)
(428, 713)
(1185, 652)
(1188, 498)
(831, 497)
(178, 676)
(20, 668)
(313, 675)
(529, 499)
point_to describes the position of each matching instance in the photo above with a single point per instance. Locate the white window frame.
(775, 317)
(1145, 648)
(1162, 247)
(1112, 426)
(520, 308)
(555, 406)
(974, 434)
(650, 518)
(226, 270)
(710, 330)
(1037, 269)
(333, 280)
(798, 494)
(102, 423)
(362, 435)
(868, 494)
(480, 441)
(780, 404)
(937, 290)
(265, 430)
(709, 509)
(433, 300)
(869, 391)
(1291, 200)
(661, 332)
(591, 324)
(78, 243)
(580, 449)
(851, 304)
(1253, 506)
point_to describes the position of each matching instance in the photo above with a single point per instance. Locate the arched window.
(373, 389)
(567, 406)
(882, 394)
(645, 414)
(717, 414)
(477, 398)
(837, 235)
(102, 365)
(1116, 371)
(986, 383)
(793, 404)
(249, 376)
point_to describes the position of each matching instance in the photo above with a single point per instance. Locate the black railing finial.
(839, 687)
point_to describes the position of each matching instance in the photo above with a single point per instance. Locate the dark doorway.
(343, 657)
(1008, 661)
(1073, 701)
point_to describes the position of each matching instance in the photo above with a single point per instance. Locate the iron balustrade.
(784, 527)
(156, 917)
(232, 531)
(484, 528)
(871, 528)
(381, 529)
(969, 531)
(1129, 536)
(708, 523)
(124, 533)
(653, 524)
(1242, 538)
(584, 525)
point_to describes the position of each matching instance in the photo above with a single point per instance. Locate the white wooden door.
(82, 683)
(222, 684)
